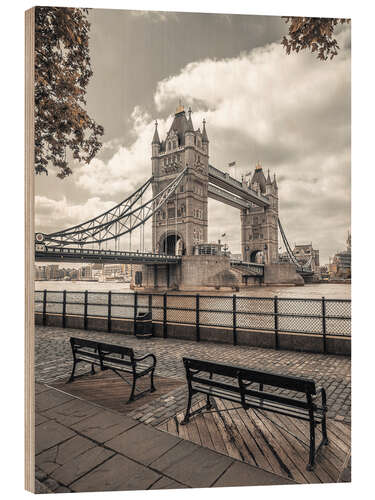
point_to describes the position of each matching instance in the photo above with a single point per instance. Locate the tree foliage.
(62, 72)
(315, 33)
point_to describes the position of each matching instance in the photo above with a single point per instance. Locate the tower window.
(174, 145)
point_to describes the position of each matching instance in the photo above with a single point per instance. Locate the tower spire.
(156, 139)
(190, 127)
(268, 178)
(204, 133)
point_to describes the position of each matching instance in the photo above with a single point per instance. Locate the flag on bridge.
(232, 164)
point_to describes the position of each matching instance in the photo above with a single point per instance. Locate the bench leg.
(324, 431)
(92, 370)
(208, 404)
(187, 414)
(310, 465)
(152, 389)
(71, 378)
(131, 397)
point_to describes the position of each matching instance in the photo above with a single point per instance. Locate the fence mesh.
(255, 321)
(300, 306)
(97, 298)
(255, 304)
(341, 308)
(97, 310)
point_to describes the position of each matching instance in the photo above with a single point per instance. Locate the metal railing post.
(109, 319)
(150, 311)
(165, 327)
(135, 312)
(85, 310)
(64, 309)
(44, 307)
(276, 326)
(197, 328)
(234, 319)
(324, 328)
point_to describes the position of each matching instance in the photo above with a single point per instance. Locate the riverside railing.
(299, 316)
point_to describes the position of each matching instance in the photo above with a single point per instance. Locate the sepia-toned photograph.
(189, 192)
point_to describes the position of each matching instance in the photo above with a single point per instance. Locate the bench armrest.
(322, 392)
(146, 356)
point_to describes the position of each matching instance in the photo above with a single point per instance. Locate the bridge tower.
(259, 228)
(182, 222)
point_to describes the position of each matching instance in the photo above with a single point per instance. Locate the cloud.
(67, 214)
(290, 112)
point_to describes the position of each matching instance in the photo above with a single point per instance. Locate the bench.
(117, 358)
(237, 384)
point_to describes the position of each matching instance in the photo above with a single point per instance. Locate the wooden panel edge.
(29, 382)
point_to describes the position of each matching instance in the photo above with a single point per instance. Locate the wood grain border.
(29, 252)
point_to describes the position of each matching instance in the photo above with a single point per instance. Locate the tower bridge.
(182, 181)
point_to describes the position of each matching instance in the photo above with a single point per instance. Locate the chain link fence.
(303, 316)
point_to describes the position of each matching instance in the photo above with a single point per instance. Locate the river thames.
(312, 291)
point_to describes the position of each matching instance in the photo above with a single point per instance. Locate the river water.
(313, 291)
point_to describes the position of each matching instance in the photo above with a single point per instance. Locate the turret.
(268, 183)
(155, 141)
(275, 183)
(189, 132)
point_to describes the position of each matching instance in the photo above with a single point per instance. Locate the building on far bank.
(305, 253)
(340, 265)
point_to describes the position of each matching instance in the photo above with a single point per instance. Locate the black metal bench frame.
(104, 355)
(239, 390)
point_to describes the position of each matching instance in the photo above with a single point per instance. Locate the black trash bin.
(143, 324)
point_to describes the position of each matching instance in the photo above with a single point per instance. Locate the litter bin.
(143, 324)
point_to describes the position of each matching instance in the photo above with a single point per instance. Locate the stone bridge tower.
(259, 227)
(182, 223)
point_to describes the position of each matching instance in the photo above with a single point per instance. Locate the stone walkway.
(82, 447)
(54, 360)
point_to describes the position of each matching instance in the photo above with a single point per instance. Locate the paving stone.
(40, 388)
(62, 489)
(40, 419)
(104, 425)
(53, 458)
(143, 443)
(80, 465)
(50, 434)
(49, 399)
(117, 473)
(242, 474)
(72, 412)
(165, 483)
(40, 475)
(51, 484)
(192, 465)
(41, 488)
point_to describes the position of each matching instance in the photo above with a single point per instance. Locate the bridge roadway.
(95, 256)
(241, 193)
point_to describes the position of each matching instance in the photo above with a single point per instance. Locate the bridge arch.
(168, 241)
(257, 256)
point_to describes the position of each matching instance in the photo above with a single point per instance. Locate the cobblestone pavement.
(53, 360)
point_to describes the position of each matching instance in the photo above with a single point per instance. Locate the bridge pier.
(282, 273)
(213, 272)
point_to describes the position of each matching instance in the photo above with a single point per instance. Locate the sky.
(290, 112)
